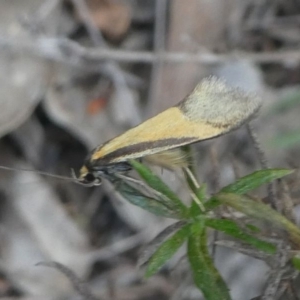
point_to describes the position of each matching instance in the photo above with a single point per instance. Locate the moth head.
(89, 178)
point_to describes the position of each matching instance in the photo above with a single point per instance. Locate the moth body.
(210, 110)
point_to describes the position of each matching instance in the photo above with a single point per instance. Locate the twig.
(79, 286)
(215, 188)
(284, 290)
(45, 9)
(110, 66)
(159, 46)
(293, 291)
(65, 50)
(215, 169)
(287, 202)
(90, 26)
(35, 21)
(260, 153)
(235, 167)
(239, 247)
(117, 248)
(271, 291)
(264, 164)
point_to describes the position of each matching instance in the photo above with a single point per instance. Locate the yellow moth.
(210, 110)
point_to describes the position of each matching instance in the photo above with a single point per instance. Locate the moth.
(210, 110)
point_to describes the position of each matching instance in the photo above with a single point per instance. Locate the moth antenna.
(73, 174)
(72, 179)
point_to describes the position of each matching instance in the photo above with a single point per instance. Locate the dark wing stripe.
(140, 148)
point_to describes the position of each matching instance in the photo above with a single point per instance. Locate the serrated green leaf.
(206, 276)
(152, 205)
(248, 183)
(231, 228)
(157, 184)
(255, 180)
(152, 246)
(262, 212)
(167, 250)
(296, 262)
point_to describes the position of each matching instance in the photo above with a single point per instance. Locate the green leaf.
(157, 184)
(231, 228)
(206, 276)
(255, 180)
(296, 262)
(262, 212)
(152, 205)
(212, 203)
(248, 183)
(167, 250)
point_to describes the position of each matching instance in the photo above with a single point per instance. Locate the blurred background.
(75, 73)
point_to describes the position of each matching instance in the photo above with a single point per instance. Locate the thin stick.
(90, 26)
(79, 286)
(264, 164)
(65, 50)
(110, 67)
(45, 9)
(277, 273)
(215, 188)
(159, 47)
(215, 169)
(293, 291)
